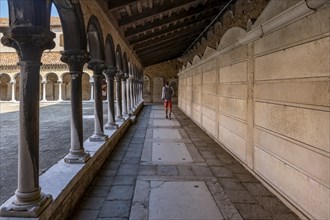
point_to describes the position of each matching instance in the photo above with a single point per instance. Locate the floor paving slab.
(182, 200)
(211, 185)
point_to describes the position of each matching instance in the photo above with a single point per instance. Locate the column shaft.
(128, 89)
(132, 95)
(60, 91)
(44, 91)
(13, 91)
(124, 98)
(28, 150)
(76, 61)
(119, 116)
(111, 124)
(92, 92)
(97, 67)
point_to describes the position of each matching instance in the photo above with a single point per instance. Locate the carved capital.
(97, 66)
(110, 72)
(75, 59)
(28, 41)
(119, 74)
(125, 76)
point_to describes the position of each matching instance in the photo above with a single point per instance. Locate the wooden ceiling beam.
(161, 33)
(167, 45)
(167, 20)
(155, 60)
(114, 4)
(163, 47)
(153, 12)
(165, 54)
(177, 36)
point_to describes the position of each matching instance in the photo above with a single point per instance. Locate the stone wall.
(264, 95)
(157, 75)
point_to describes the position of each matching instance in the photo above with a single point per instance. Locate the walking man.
(167, 94)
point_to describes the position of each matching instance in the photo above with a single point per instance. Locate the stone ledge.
(68, 182)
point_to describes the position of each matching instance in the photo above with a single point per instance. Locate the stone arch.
(196, 59)
(230, 36)
(73, 26)
(119, 58)
(5, 87)
(110, 57)
(208, 52)
(51, 86)
(95, 39)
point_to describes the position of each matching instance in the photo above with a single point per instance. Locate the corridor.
(171, 169)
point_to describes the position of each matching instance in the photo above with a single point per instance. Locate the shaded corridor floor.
(171, 169)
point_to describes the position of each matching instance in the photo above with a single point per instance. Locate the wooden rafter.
(154, 12)
(206, 12)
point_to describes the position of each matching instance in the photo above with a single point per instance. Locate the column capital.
(125, 76)
(28, 41)
(110, 72)
(76, 60)
(97, 66)
(119, 74)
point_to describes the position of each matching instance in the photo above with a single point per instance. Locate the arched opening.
(119, 58)
(5, 87)
(86, 87)
(51, 87)
(66, 86)
(17, 83)
(95, 39)
(110, 58)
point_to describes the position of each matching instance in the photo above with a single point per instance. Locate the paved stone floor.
(54, 138)
(171, 169)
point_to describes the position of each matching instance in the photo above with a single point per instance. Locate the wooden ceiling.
(161, 30)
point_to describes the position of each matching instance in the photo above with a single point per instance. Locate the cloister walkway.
(171, 169)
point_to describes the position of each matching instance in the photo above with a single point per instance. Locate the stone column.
(12, 84)
(124, 93)
(98, 67)
(8, 91)
(136, 92)
(92, 91)
(133, 94)
(60, 91)
(110, 74)
(128, 89)
(29, 43)
(44, 90)
(119, 115)
(76, 61)
(139, 91)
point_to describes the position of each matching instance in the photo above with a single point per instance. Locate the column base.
(77, 158)
(133, 119)
(34, 209)
(110, 126)
(98, 137)
(120, 119)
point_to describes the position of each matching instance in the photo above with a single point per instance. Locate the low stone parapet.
(67, 183)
